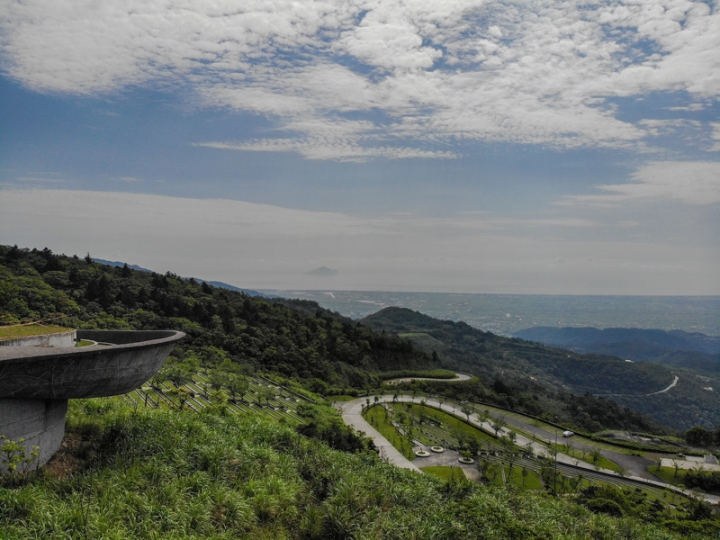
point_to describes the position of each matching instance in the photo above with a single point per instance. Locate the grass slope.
(163, 474)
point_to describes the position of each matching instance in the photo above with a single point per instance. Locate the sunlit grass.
(15, 332)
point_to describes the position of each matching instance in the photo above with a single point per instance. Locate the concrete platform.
(36, 382)
(83, 372)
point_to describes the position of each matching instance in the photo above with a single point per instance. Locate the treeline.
(295, 339)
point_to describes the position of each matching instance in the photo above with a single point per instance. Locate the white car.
(567, 434)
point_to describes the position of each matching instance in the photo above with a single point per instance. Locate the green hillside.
(328, 353)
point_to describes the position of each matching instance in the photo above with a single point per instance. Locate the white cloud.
(534, 72)
(696, 183)
(262, 246)
(335, 150)
(715, 135)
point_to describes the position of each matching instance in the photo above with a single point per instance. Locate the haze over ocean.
(508, 313)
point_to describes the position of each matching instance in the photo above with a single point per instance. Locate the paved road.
(672, 384)
(668, 388)
(352, 416)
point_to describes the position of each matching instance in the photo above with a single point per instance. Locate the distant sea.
(507, 313)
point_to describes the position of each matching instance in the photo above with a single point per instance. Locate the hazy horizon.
(551, 147)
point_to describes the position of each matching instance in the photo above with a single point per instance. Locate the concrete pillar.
(41, 422)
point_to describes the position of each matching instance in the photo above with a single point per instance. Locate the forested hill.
(516, 361)
(675, 348)
(526, 368)
(293, 338)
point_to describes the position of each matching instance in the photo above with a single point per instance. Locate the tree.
(483, 465)
(497, 425)
(217, 378)
(237, 385)
(178, 375)
(182, 395)
(218, 403)
(512, 456)
(699, 436)
(467, 411)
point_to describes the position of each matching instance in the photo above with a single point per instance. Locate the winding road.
(458, 378)
(672, 384)
(666, 389)
(351, 412)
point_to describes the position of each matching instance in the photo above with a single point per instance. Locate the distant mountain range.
(673, 348)
(219, 284)
(120, 264)
(640, 344)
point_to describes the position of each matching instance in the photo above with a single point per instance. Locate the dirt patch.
(72, 457)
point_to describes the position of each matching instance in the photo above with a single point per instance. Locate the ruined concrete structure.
(36, 382)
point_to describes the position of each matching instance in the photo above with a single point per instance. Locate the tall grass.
(155, 474)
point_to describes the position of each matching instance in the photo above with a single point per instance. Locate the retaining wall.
(61, 339)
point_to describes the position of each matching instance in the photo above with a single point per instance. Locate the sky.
(534, 147)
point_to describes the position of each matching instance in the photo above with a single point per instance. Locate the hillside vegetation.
(539, 379)
(141, 473)
(674, 348)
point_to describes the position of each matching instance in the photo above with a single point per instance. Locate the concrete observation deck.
(36, 382)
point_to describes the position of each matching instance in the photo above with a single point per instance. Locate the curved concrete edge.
(40, 422)
(95, 371)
